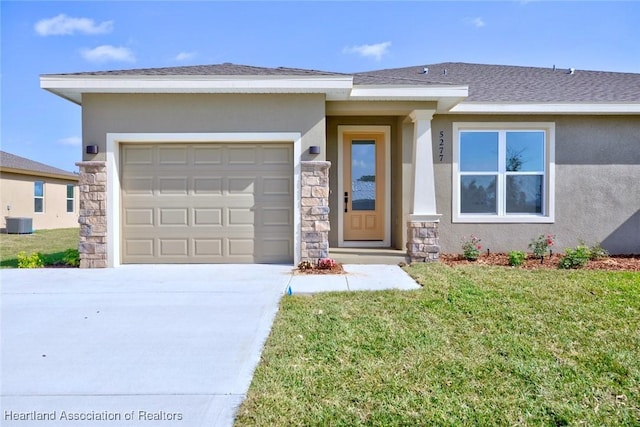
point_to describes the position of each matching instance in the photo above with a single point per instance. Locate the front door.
(364, 187)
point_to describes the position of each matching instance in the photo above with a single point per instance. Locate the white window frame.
(38, 197)
(548, 200)
(72, 198)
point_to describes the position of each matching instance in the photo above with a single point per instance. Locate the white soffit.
(335, 88)
(545, 108)
(72, 87)
(407, 93)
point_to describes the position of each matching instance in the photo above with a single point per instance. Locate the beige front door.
(364, 187)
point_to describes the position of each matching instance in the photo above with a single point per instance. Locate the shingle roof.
(225, 69)
(12, 161)
(487, 83)
(502, 83)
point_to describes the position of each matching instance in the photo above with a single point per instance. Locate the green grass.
(476, 346)
(50, 243)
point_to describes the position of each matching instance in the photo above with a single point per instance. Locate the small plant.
(305, 265)
(71, 258)
(540, 245)
(575, 258)
(471, 248)
(35, 260)
(516, 258)
(597, 252)
(326, 264)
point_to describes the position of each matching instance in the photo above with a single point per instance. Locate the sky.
(51, 37)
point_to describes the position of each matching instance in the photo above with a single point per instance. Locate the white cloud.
(66, 25)
(185, 56)
(74, 141)
(372, 50)
(477, 22)
(359, 163)
(108, 53)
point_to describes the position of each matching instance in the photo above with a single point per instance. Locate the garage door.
(207, 203)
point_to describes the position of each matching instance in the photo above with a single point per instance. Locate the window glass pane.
(69, 191)
(524, 194)
(525, 151)
(479, 151)
(38, 205)
(478, 194)
(363, 175)
(38, 189)
(69, 205)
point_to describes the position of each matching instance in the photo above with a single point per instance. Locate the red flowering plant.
(471, 248)
(326, 264)
(540, 245)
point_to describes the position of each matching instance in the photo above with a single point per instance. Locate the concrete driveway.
(137, 345)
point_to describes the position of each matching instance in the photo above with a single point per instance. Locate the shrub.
(516, 258)
(575, 258)
(596, 252)
(471, 248)
(71, 257)
(540, 245)
(326, 264)
(35, 260)
(305, 265)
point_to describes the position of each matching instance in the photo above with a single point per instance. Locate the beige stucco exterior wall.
(204, 113)
(17, 191)
(597, 186)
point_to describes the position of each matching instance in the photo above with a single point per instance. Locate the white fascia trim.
(72, 87)
(407, 93)
(113, 175)
(545, 108)
(99, 83)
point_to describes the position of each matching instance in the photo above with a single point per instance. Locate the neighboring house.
(232, 163)
(47, 195)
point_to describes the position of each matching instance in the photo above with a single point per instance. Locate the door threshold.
(382, 255)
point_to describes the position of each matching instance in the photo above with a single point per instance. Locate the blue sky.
(49, 37)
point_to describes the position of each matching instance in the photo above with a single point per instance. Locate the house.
(240, 164)
(48, 196)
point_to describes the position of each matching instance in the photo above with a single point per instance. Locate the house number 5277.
(441, 146)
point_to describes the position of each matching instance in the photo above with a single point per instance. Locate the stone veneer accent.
(93, 214)
(423, 242)
(314, 210)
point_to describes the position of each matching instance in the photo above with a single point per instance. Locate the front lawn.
(478, 345)
(50, 243)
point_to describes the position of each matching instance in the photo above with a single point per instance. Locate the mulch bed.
(611, 263)
(336, 269)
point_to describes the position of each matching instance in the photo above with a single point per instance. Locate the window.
(70, 197)
(38, 196)
(503, 172)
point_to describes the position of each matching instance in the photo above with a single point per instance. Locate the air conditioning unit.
(19, 226)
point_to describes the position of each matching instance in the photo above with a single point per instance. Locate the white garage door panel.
(207, 203)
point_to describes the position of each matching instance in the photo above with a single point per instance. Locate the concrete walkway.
(145, 345)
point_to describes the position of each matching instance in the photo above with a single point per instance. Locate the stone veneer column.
(93, 214)
(314, 210)
(423, 241)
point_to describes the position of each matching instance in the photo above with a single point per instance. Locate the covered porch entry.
(381, 181)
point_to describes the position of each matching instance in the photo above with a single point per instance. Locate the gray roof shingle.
(487, 83)
(225, 69)
(502, 83)
(12, 161)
